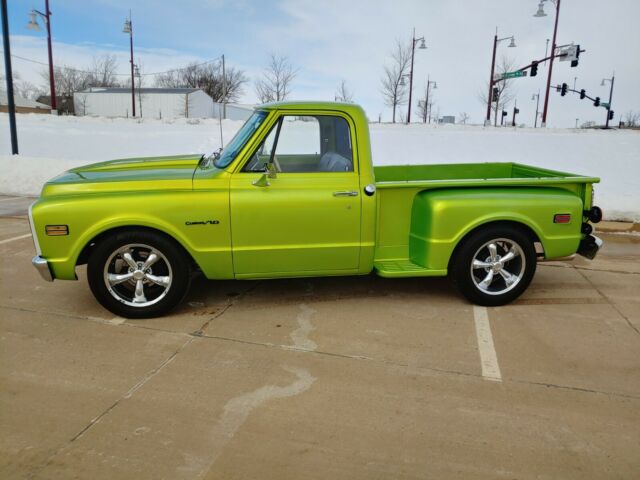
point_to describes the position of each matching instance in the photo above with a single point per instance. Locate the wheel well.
(526, 229)
(86, 252)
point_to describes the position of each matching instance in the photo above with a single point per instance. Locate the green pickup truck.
(295, 194)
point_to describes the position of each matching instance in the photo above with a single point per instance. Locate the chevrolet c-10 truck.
(295, 194)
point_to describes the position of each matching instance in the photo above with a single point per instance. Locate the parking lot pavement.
(358, 377)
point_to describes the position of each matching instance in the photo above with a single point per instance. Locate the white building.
(234, 111)
(150, 102)
(23, 105)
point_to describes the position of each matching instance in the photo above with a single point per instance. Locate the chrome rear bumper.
(589, 246)
(43, 267)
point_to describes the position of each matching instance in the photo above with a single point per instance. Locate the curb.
(617, 227)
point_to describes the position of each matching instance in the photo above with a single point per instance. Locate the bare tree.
(103, 71)
(275, 84)
(68, 80)
(393, 88)
(631, 119)
(504, 88)
(207, 77)
(80, 105)
(23, 88)
(343, 94)
(424, 104)
(463, 117)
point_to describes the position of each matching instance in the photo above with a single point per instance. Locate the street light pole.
(128, 28)
(537, 97)
(414, 40)
(610, 80)
(33, 25)
(541, 13)
(224, 89)
(435, 85)
(493, 67)
(496, 40)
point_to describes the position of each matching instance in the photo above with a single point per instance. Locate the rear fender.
(440, 219)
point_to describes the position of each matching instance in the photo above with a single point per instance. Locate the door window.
(306, 144)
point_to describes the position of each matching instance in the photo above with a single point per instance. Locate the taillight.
(562, 218)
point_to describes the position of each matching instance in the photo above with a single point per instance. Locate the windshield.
(240, 139)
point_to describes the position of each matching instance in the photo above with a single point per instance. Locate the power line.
(218, 59)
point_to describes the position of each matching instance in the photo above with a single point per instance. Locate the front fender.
(440, 219)
(182, 215)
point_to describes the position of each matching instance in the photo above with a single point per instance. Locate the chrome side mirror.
(269, 172)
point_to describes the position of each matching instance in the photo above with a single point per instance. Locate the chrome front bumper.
(43, 267)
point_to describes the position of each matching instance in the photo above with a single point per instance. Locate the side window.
(306, 144)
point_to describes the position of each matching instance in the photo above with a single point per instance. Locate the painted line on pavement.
(15, 238)
(10, 198)
(488, 356)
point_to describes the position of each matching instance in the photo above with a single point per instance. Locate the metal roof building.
(150, 102)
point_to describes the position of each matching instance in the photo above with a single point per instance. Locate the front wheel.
(138, 274)
(494, 266)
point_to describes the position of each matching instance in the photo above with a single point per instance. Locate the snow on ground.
(49, 145)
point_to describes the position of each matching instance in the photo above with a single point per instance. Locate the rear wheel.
(493, 266)
(138, 274)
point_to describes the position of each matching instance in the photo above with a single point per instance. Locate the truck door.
(306, 220)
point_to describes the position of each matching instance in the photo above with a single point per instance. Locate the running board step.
(404, 268)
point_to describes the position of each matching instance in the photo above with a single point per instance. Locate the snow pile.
(50, 145)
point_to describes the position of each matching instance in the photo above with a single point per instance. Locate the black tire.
(492, 282)
(149, 290)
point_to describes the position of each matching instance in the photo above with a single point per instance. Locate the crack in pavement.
(145, 379)
(610, 302)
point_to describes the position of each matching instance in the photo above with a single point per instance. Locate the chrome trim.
(34, 235)
(43, 268)
(345, 194)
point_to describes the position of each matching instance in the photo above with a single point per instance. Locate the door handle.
(345, 194)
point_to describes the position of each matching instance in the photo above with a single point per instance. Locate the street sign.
(568, 53)
(516, 74)
(604, 104)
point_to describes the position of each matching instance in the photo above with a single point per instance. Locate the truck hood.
(127, 174)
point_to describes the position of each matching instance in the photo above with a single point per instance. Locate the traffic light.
(610, 114)
(574, 63)
(504, 113)
(534, 69)
(596, 102)
(583, 93)
(563, 90)
(516, 110)
(495, 95)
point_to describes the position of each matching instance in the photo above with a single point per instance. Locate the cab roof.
(312, 105)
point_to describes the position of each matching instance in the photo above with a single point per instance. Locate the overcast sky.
(333, 40)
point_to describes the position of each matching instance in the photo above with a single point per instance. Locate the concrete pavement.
(358, 377)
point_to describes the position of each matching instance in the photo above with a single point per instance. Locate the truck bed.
(472, 174)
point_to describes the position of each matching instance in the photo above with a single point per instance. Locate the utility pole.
(515, 112)
(553, 54)
(128, 28)
(11, 105)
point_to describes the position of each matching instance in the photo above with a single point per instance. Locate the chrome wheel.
(137, 275)
(498, 266)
